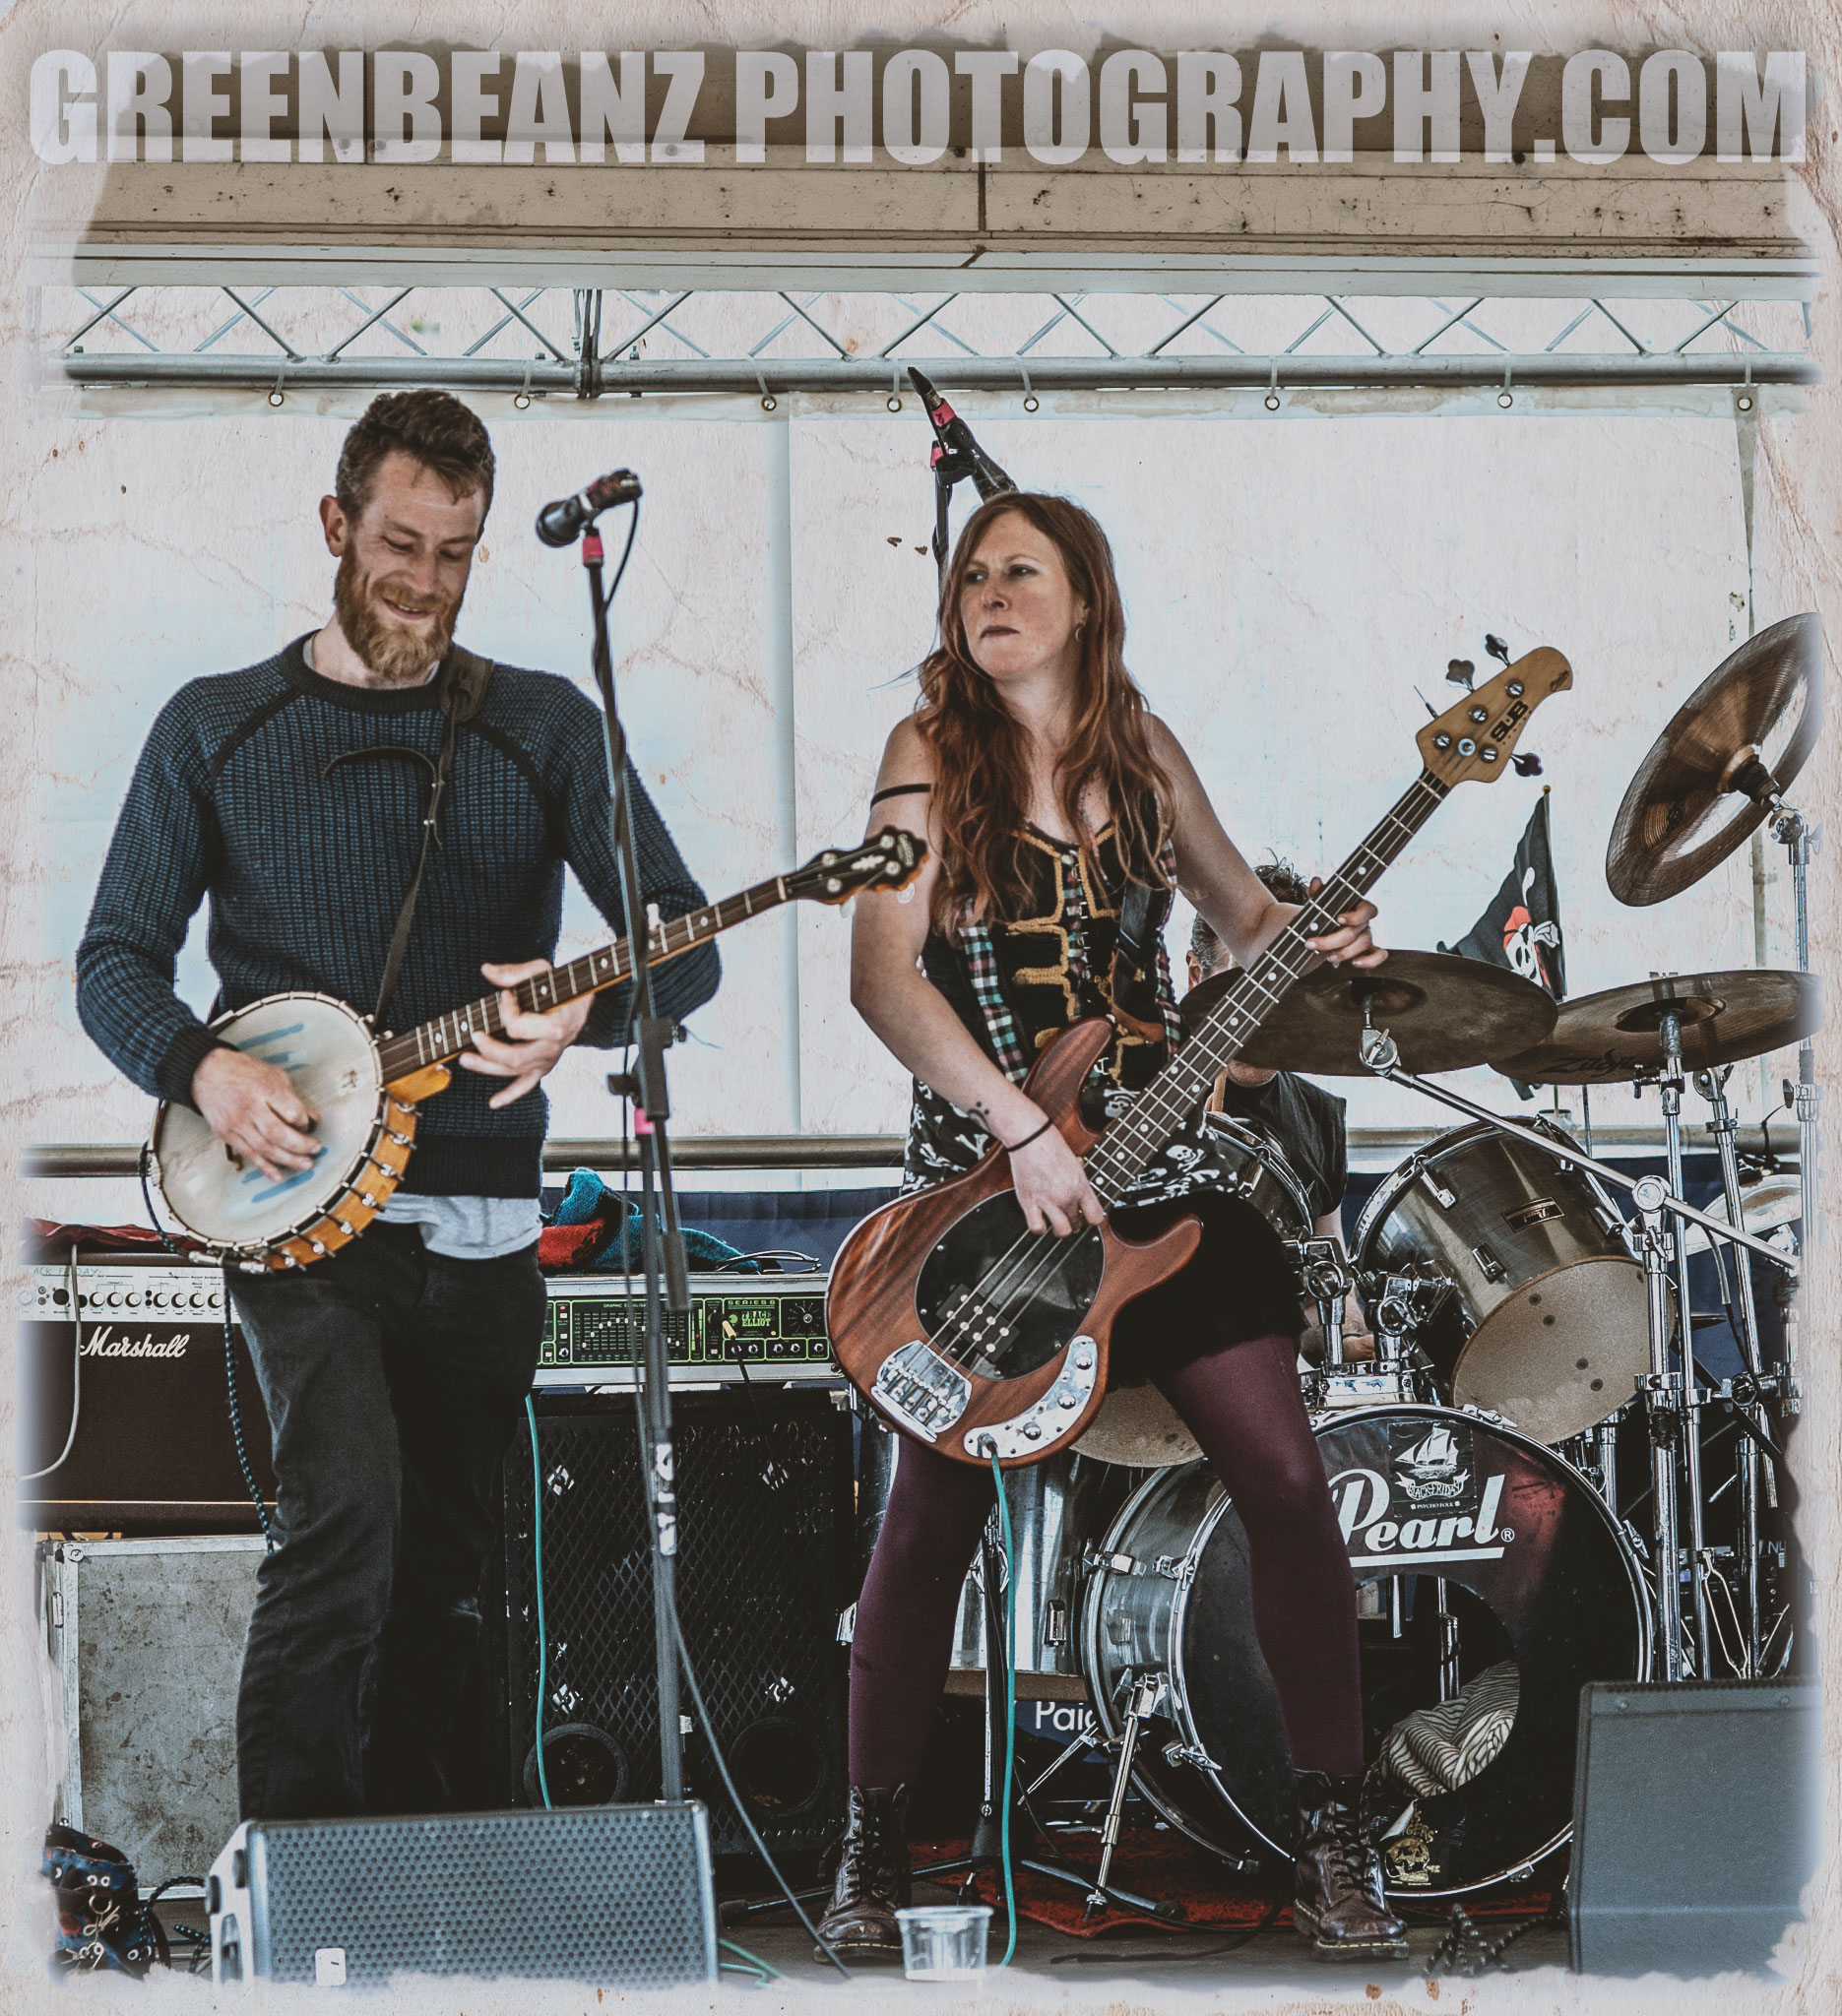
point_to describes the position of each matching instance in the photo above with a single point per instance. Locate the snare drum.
(1547, 1323)
(1137, 1425)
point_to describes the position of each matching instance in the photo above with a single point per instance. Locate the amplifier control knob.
(134, 1300)
(114, 1298)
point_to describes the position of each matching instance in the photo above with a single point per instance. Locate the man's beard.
(394, 654)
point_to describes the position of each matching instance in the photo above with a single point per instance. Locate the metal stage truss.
(542, 343)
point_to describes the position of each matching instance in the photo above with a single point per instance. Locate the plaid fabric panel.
(975, 937)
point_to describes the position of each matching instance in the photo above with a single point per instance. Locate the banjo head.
(326, 1048)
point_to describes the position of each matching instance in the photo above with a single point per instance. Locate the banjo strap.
(465, 679)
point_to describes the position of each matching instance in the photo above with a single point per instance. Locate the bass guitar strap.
(463, 683)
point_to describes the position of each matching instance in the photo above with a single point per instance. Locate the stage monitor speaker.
(766, 1565)
(616, 1895)
(1694, 1824)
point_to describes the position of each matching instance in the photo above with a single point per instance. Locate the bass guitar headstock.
(889, 859)
(1474, 740)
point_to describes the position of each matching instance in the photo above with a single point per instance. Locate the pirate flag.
(1521, 928)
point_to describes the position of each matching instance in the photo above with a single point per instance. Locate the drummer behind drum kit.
(1523, 1322)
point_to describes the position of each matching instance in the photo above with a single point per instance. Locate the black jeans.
(393, 1378)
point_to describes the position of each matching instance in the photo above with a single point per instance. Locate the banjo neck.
(449, 1036)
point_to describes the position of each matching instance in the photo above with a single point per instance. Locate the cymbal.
(1748, 726)
(1444, 1013)
(1611, 1039)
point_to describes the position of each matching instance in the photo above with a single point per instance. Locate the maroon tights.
(1243, 1405)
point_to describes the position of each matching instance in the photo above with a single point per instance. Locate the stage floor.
(1197, 1962)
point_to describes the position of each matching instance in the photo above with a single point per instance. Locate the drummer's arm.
(1215, 877)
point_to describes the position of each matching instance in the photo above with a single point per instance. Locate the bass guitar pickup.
(920, 1391)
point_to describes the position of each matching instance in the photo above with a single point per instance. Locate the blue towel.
(587, 1199)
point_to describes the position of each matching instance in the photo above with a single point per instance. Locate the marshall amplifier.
(124, 1416)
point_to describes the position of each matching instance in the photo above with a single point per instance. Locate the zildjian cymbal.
(1446, 1013)
(1613, 1037)
(1736, 741)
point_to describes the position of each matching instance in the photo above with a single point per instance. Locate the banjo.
(365, 1089)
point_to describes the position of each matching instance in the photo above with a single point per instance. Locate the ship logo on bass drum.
(1430, 1509)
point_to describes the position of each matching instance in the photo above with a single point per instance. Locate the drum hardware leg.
(1712, 1088)
(1606, 1440)
(1670, 1085)
(1150, 1694)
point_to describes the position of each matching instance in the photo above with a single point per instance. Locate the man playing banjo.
(294, 794)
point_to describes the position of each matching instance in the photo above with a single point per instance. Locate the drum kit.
(1531, 1311)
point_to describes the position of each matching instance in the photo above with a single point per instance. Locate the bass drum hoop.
(1179, 1605)
(253, 1253)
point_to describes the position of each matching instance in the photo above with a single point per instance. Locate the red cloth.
(44, 1239)
(571, 1245)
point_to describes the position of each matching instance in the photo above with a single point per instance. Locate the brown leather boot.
(872, 1880)
(1339, 1906)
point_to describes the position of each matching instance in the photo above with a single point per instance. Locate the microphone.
(560, 521)
(953, 441)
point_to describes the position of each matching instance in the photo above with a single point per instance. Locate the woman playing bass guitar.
(1057, 811)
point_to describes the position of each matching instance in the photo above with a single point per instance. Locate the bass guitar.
(974, 1334)
(365, 1089)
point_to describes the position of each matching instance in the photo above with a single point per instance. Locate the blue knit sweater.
(306, 873)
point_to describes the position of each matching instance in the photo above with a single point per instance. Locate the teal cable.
(1010, 1707)
(537, 1550)
(754, 1960)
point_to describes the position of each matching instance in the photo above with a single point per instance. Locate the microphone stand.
(667, 1284)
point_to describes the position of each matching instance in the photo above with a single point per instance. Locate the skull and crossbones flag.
(1520, 927)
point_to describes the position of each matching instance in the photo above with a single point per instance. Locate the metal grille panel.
(628, 1890)
(764, 1568)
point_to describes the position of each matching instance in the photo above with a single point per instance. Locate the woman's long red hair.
(982, 777)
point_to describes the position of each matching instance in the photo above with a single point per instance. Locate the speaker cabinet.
(619, 1895)
(766, 1564)
(1694, 1823)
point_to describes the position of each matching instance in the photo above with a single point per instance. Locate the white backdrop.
(1288, 586)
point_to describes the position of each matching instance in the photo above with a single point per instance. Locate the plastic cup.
(945, 1943)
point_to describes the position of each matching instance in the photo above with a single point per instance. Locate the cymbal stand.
(1670, 1085)
(1799, 839)
(1711, 1085)
(1662, 1389)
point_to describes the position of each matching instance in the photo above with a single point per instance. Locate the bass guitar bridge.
(918, 1389)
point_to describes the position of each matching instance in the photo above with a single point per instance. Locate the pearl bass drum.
(1491, 1585)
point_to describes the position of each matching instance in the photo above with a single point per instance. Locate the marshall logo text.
(103, 1343)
